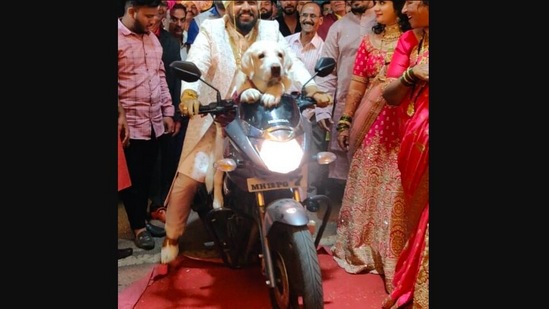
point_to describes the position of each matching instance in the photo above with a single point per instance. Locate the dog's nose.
(275, 70)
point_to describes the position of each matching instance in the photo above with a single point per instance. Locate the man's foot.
(169, 251)
(155, 230)
(124, 253)
(144, 240)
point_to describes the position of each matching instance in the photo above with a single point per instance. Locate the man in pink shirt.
(145, 97)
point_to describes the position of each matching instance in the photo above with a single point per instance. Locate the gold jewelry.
(239, 43)
(410, 110)
(391, 34)
(423, 46)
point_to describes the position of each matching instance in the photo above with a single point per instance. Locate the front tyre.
(296, 268)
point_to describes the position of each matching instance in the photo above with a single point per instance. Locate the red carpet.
(207, 285)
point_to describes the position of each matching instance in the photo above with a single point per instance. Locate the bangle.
(404, 82)
(342, 127)
(410, 73)
(346, 117)
(344, 122)
(408, 78)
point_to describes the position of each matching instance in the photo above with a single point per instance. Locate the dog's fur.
(264, 74)
(265, 70)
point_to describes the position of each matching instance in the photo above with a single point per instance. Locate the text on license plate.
(259, 184)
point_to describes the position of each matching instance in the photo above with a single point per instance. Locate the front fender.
(287, 211)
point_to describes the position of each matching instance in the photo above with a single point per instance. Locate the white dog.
(265, 66)
(264, 74)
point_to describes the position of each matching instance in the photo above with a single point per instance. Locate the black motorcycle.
(263, 218)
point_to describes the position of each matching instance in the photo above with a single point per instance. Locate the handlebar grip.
(222, 107)
(205, 109)
(304, 102)
(215, 108)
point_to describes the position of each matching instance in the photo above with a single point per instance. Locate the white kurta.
(212, 54)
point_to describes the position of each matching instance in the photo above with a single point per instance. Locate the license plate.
(261, 184)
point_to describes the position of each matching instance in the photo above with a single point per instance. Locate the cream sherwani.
(213, 55)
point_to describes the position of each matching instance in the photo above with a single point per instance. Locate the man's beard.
(140, 29)
(289, 10)
(245, 27)
(266, 15)
(358, 10)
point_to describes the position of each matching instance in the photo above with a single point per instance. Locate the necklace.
(423, 45)
(390, 36)
(239, 43)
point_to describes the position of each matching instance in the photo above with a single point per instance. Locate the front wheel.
(296, 268)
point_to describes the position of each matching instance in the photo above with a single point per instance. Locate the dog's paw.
(169, 251)
(250, 95)
(270, 100)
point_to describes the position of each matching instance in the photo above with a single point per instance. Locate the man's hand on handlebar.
(321, 98)
(189, 103)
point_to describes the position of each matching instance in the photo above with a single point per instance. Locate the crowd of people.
(378, 124)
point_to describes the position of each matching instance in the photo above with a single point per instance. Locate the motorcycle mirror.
(186, 70)
(324, 66)
(189, 72)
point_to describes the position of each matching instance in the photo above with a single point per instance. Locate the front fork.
(260, 198)
(287, 211)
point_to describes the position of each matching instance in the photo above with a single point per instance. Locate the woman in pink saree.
(371, 231)
(409, 90)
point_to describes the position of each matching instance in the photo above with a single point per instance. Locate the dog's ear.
(247, 64)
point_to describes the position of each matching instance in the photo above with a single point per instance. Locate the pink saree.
(411, 280)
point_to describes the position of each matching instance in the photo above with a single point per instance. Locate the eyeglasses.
(175, 20)
(305, 15)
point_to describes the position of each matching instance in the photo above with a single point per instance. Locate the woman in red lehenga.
(371, 231)
(409, 90)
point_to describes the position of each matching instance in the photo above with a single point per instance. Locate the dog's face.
(266, 61)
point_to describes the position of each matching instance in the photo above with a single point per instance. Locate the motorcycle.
(263, 217)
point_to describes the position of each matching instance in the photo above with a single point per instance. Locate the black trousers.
(140, 157)
(166, 165)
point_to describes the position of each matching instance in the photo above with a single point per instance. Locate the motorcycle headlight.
(281, 157)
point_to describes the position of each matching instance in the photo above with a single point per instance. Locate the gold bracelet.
(342, 121)
(411, 74)
(346, 117)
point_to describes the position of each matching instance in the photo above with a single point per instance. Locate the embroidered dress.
(371, 229)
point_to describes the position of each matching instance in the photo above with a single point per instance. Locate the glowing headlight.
(281, 157)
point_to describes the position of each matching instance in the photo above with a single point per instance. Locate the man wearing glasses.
(307, 45)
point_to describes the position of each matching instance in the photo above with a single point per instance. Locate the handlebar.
(215, 108)
(226, 106)
(304, 102)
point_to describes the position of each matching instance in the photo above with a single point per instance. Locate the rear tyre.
(296, 268)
